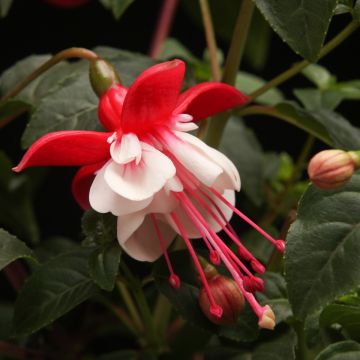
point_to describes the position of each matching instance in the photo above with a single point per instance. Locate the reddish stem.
(162, 27)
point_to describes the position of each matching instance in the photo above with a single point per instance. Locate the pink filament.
(215, 309)
(173, 279)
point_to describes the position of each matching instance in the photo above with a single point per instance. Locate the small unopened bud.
(330, 169)
(209, 270)
(227, 296)
(102, 76)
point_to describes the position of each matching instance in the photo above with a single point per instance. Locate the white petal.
(188, 226)
(129, 149)
(103, 199)
(194, 160)
(128, 224)
(139, 182)
(230, 179)
(174, 184)
(180, 126)
(163, 202)
(144, 245)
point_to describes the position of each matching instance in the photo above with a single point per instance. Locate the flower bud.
(330, 169)
(227, 295)
(102, 76)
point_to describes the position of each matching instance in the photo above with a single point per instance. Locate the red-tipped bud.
(67, 3)
(330, 169)
(103, 76)
(228, 298)
(174, 281)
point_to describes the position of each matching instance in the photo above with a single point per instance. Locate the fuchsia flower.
(158, 179)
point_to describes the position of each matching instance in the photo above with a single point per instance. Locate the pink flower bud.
(330, 169)
(227, 296)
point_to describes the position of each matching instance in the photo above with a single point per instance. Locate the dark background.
(33, 26)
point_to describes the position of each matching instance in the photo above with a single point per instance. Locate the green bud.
(102, 76)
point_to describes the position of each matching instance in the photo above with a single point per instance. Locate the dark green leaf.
(323, 247)
(348, 316)
(99, 229)
(248, 83)
(344, 135)
(72, 104)
(118, 7)
(357, 11)
(16, 206)
(280, 347)
(241, 146)
(319, 75)
(172, 48)
(52, 290)
(275, 295)
(5, 7)
(328, 126)
(314, 99)
(11, 249)
(54, 246)
(104, 264)
(312, 329)
(185, 300)
(6, 315)
(345, 350)
(303, 25)
(12, 108)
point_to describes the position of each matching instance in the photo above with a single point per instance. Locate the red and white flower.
(157, 178)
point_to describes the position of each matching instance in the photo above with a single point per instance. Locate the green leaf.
(11, 249)
(118, 7)
(6, 315)
(241, 146)
(303, 25)
(356, 12)
(278, 347)
(173, 48)
(344, 350)
(248, 83)
(72, 104)
(99, 229)
(319, 75)
(52, 290)
(54, 246)
(12, 108)
(348, 316)
(104, 265)
(314, 99)
(327, 125)
(5, 7)
(323, 247)
(275, 295)
(344, 135)
(16, 205)
(185, 300)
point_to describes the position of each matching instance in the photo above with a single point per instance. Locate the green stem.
(238, 42)
(62, 55)
(210, 39)
(143, 306)
(332, 44)
(217, 124)
(120, 314)
(130, 305)
(279, 202)
(162, 314)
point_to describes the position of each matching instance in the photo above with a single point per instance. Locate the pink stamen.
(258, 309)
(215, 309)
(174, 280)
(279, 244)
